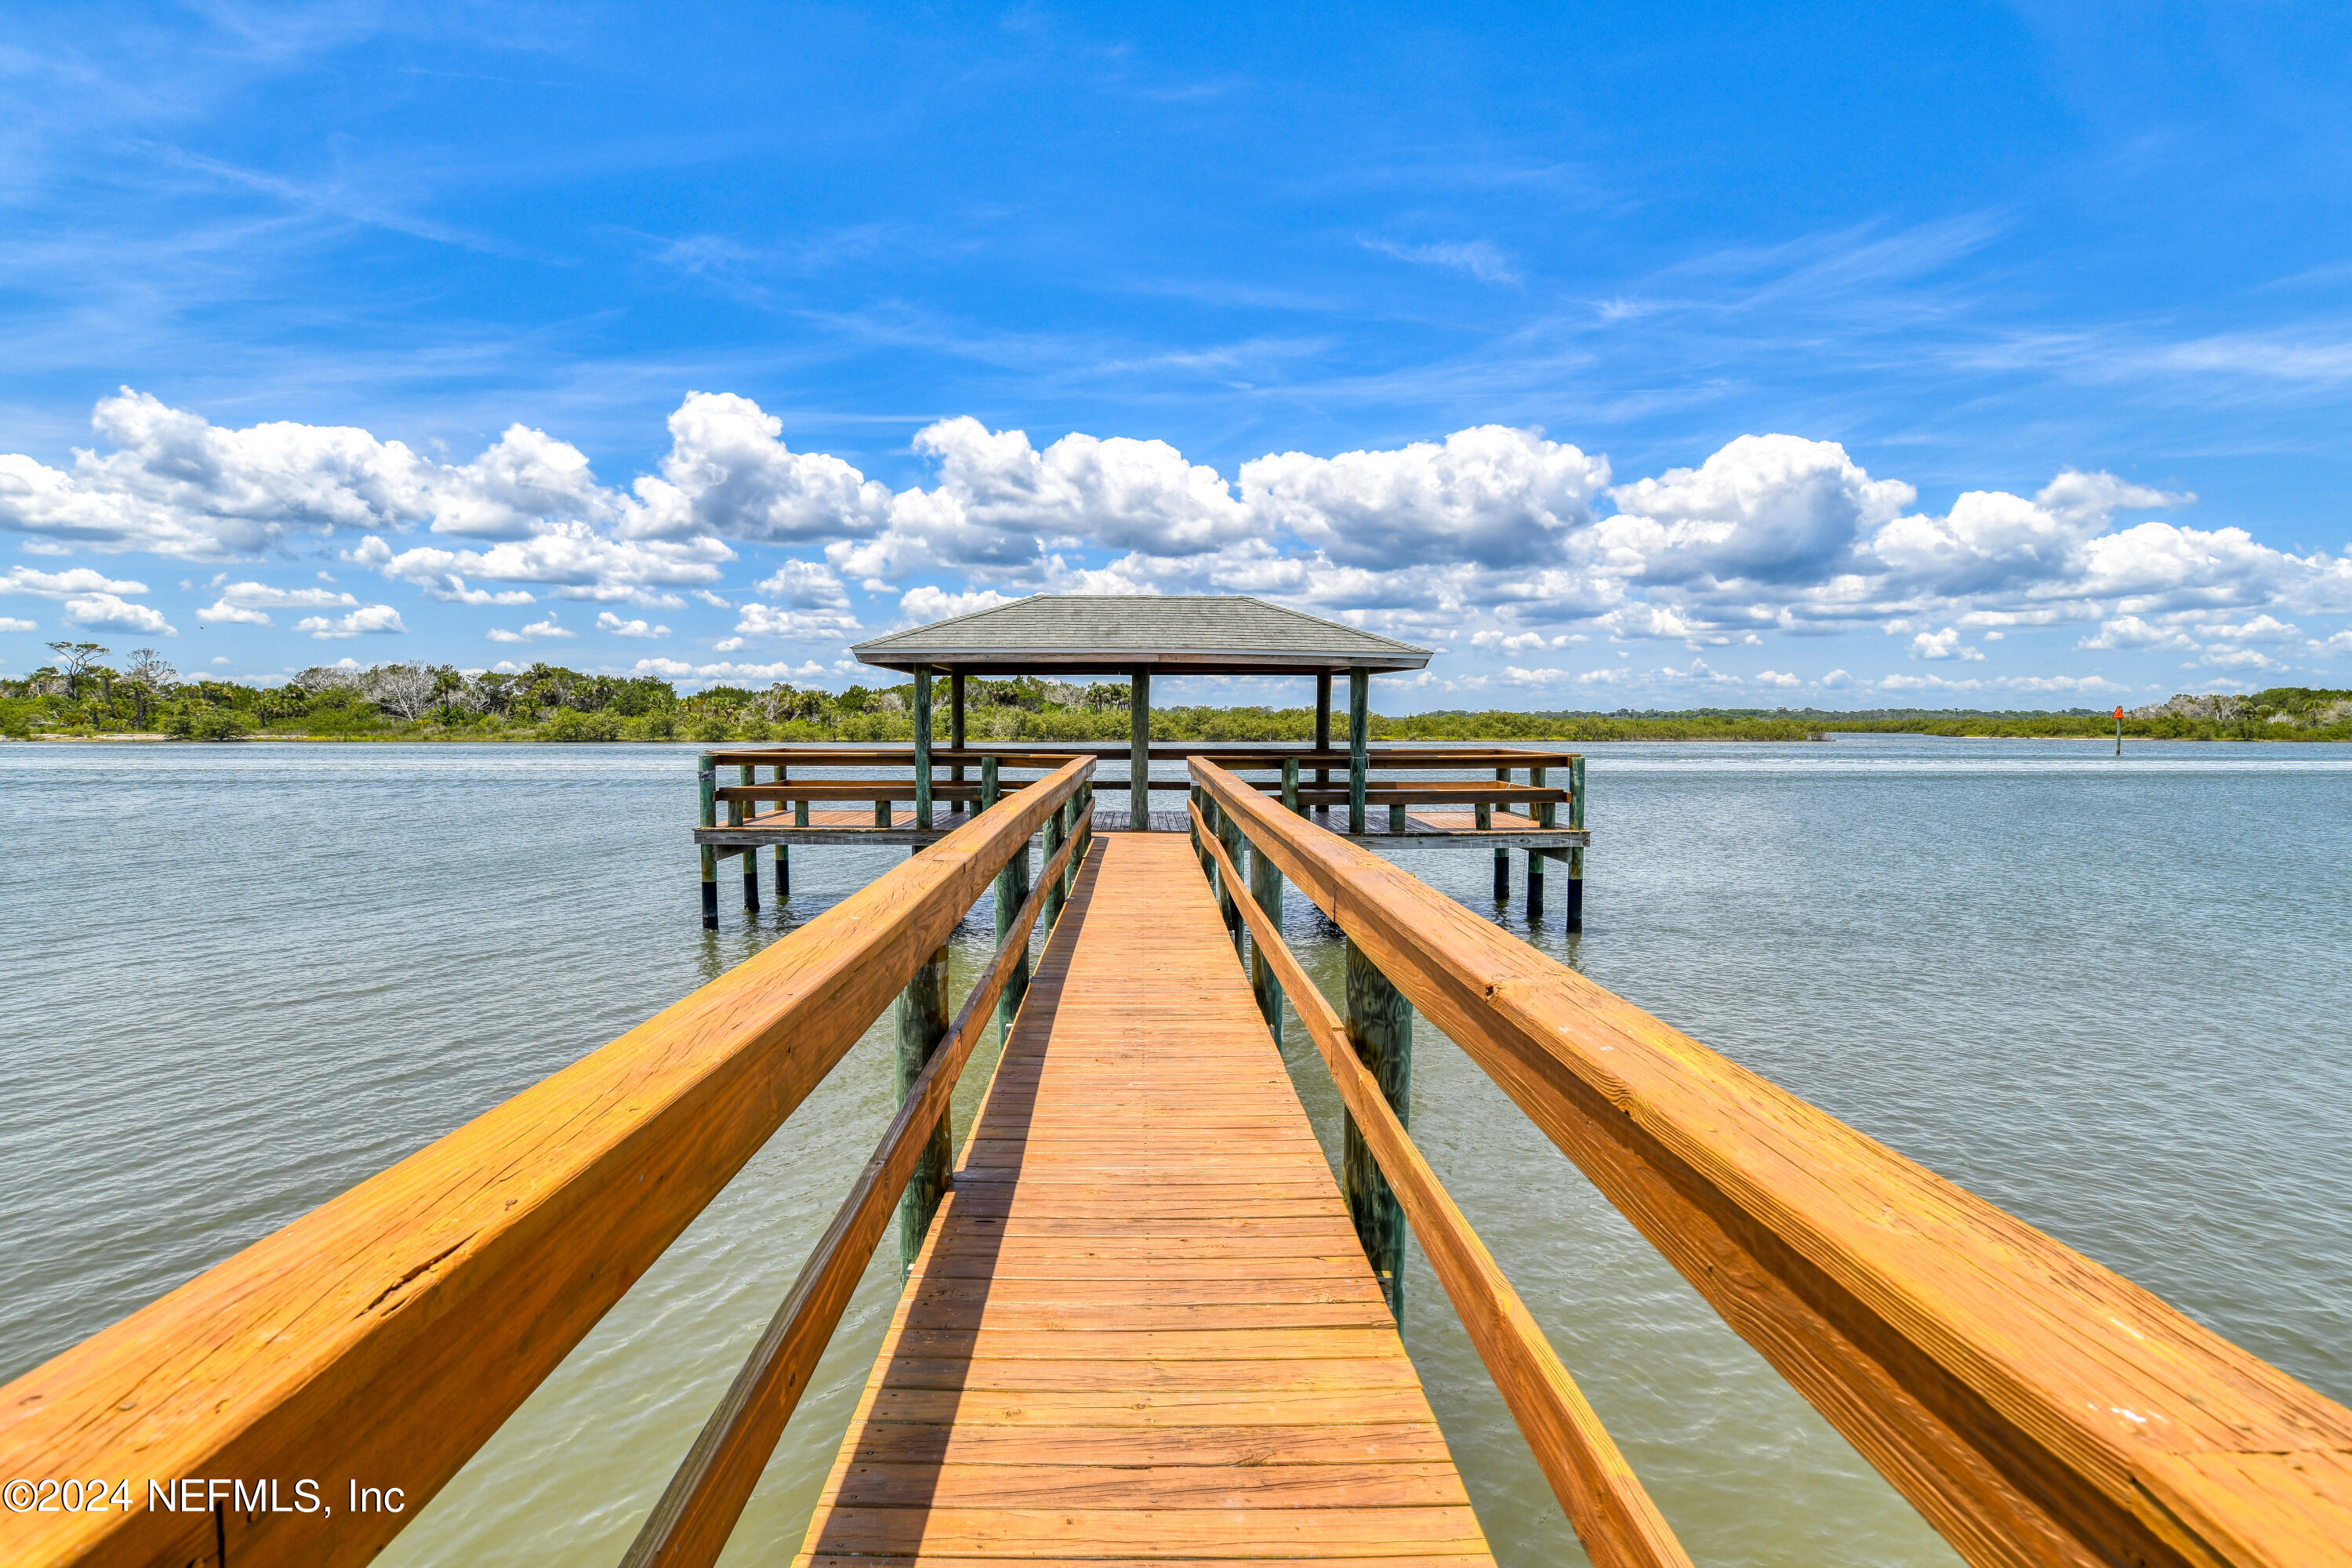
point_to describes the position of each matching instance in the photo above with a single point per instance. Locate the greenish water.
(2106, 994)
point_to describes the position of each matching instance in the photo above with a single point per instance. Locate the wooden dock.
(1142, 1325)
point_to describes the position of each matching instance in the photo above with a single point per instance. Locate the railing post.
(1265, 887)
(922, 1024)
(1502, 855)
(923, 747)
(1534, 856)
(738, 813)
(1576, 855)
(1139, 753)
(955, 731)
(784, 856)
(1012, 893)
(706, 775)
(1289, 785)
(1360, 707)
(1229, 834)
(1323, 730)
(1053, 890)
(1380, 1026)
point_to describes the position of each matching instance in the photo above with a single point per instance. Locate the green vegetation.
(84, 695)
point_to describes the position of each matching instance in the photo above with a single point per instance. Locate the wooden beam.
(1323, 723)
(1359, 711)
(1380, 1033)
(1265, 891)
(1576, 856)
(1232, 755)
(955, 720)
(2036, 1407)
(706, 774)
(922, 745)
(1139, 754)
(919, 1025)
(389, 1333)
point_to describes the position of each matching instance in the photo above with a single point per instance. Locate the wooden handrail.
(1604, 1500)
(1412, 791)
(381, 1337)
(696, 1512)
(2035, 1406)
(1050, 755)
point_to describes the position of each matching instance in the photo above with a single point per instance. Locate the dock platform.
(1141, 1325)
(1510, 830)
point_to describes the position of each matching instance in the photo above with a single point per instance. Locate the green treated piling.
(1396, 819)
(923, 746)
(783, 854)
(1380, 1026)
(706, 773)
(1290, 785)
(1502, 855)
(1359, 729)
(1012, 891)
(1139, 751)
(1534, 856)
(1483, 816)
(1055, 888)
(922, 1024)
(1229, 834)
(1265, 887)
(738, 813)
(1576, 855)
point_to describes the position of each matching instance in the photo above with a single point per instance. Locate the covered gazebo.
(1064, 635)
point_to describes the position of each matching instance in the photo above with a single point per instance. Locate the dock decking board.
(1141, 1328)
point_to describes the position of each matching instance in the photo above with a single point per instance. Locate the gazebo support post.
(923, 746)
(955, 728)
(1360, 704)
(1139, 753)
(1323, 729)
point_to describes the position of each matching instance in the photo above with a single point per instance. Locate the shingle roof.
(1208, 634)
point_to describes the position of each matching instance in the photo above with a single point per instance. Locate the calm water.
(2107, 996)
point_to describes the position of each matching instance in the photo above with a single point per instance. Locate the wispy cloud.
(1475, 257)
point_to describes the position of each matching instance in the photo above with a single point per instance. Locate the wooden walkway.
(1142, 1327)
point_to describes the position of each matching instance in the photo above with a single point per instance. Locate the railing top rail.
(387, 1333)
(2034, 1405)
(1055, 754)
(1604, 1500)
(696, 1514)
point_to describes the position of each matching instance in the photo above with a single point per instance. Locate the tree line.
(87, 691)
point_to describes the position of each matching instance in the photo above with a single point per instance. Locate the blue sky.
(1984, 355)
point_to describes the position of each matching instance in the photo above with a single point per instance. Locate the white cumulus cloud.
(61, 585)
(606, 621)
(369, 619)
(109, 612)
